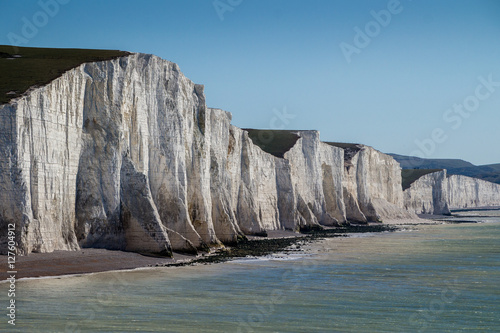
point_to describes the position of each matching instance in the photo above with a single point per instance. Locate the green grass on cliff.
(274, 142)
(24, 67)
(409, 176)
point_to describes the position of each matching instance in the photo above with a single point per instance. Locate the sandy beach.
(83, 261)
(90, 260)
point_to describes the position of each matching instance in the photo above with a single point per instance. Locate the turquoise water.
(443, 278)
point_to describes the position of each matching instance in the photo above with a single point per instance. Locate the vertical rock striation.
(435, 193)
(428, 194)
(64, 144)
(256, 191)
(124, 154)
(371, 185)
(467, 192)
(316, 177)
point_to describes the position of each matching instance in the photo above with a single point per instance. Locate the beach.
(80, 262)
(89, 260)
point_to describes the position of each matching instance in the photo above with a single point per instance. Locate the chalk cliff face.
(316, 178)
(428, 194)
(243, 177)
(467, 192)
(110, 154)
(257, 191)
(372, 186)
(124, 154)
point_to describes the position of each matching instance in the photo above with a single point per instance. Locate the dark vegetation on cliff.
(25, 67)
(343, 145)
(411, 162)
(489, 173)
(411, 175)
(350, 149)
(274, 142)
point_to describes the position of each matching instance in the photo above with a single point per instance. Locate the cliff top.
(25, 67)
(409, 176)
(350, 149)
(274, 142)
(489, 173)
(410, 162)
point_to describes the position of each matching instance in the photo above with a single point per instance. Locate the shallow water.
(441, 278)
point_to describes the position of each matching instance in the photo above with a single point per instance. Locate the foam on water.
(272, 257)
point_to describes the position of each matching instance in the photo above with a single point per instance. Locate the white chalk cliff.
(467, 192)
(372, 185)
(435, 193)
(125, 154)
(428, 194)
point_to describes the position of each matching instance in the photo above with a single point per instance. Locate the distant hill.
(489, 173)
(409, 162)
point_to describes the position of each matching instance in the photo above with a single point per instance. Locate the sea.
(425, 278)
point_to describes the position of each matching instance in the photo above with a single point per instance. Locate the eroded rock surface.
(428, 194)
(372, 185)
(124, 154)
(467, 192)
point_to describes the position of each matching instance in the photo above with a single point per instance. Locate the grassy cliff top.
(409, 176)
(24, 67)
(274, 142)
(489, 173)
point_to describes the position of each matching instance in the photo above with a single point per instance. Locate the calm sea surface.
(443, 278)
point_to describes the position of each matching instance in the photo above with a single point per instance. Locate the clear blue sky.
(273, 56)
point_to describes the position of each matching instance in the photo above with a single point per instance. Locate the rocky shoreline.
(89, 260)
(266, 246)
